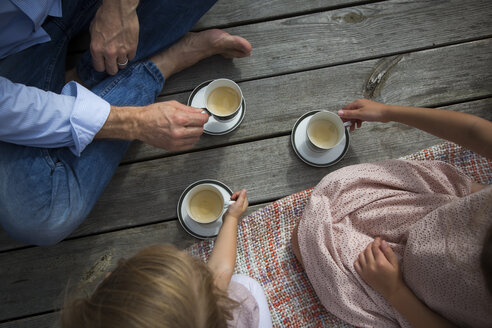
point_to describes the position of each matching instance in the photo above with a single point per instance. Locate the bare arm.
(223, 257)
(467, 130)
(416, 312)
(378, 267)
(168, 125)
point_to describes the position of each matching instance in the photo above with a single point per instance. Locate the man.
(61, 143)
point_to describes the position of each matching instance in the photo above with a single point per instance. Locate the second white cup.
(325, 130)
(206, 204)
(223, 99)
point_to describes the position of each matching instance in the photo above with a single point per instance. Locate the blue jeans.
(46, 193)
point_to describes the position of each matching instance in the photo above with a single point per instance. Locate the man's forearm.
(122, 123)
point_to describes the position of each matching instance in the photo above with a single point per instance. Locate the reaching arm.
(223, 257)
(467, 130)
(32, 117)
(378, 267)
(169, 125)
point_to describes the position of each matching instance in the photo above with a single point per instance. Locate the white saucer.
(200, 230)
(214, 127)
(306, 153)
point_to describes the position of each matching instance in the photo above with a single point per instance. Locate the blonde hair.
(160, 286)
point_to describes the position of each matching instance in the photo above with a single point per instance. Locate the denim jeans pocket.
(50, 157)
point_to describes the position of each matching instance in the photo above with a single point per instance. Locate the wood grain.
(147, 192)
(424, 78)
(35, 279)
(49, 320)
(227, 12)
(344, 35)
(306, 55)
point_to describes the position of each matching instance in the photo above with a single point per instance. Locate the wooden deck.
(307, 55)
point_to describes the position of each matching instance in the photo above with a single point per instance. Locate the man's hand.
(378, 267)
(114, 35)
(169, 125)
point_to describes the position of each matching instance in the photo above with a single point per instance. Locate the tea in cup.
(325, 130)
(223, 99)
(205, 203)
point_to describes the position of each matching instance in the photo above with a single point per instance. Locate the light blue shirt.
(20, 23)
(33, 117)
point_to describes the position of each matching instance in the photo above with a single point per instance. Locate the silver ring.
(123, 64)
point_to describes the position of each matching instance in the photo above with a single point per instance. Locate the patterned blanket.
(264, 252)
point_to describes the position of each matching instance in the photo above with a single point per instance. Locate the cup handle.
(229, 203)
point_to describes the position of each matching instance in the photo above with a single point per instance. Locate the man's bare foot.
(194, 47)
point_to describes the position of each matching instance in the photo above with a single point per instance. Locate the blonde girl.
(162, 286)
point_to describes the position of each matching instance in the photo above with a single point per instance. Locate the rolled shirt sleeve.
(32, 117)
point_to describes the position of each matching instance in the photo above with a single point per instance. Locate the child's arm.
(378, 267)
(467, 130)
(223, 257)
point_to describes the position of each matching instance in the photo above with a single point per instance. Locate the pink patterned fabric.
(423, 209)
(247, 314)
(264, 250)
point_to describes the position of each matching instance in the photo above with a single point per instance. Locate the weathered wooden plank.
(86, 259)
(424, 78)
(49, 320)
(34, 280)
(444, 75)
(237, 12)
(269, 169)
(344, 35)
(47, 270)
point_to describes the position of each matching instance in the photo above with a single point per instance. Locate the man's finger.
(97, 61)
(195, 119)
(132, 53)
(191, 132)
(122, 61)
(186, 108)
(111, 66)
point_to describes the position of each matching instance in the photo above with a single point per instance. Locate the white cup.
(325, 130)
(206, 204)
(223, 99)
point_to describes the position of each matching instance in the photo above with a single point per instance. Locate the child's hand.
(241, 204)
(362, 110)
(378, 267)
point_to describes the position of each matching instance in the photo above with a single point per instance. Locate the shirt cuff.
(88, 116)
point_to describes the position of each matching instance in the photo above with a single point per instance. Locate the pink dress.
(426, 211)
